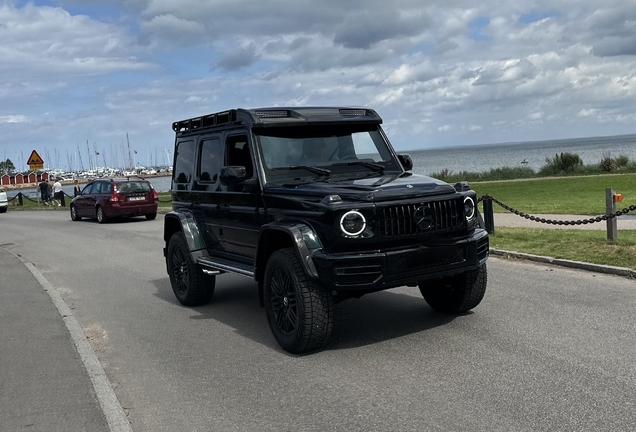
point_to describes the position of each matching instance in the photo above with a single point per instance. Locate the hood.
(384, 188)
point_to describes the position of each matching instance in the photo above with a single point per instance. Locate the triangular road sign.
(35, 159)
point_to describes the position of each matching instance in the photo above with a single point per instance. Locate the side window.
(210, 159)
(184, 163)
(102, 188)
(88, 189)
(237, 152)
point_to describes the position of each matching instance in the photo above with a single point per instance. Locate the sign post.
(35, 162)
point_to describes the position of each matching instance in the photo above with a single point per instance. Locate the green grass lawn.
(577, 245)
(565, 195)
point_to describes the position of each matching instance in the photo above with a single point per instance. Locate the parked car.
(4, 203)
(105, 199)
(316, 207)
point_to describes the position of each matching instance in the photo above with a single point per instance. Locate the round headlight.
(352, 223)
(469, 208)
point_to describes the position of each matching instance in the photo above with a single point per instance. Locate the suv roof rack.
(205, 121)
(280, 116)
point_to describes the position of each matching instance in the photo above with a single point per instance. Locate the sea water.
(480, 158)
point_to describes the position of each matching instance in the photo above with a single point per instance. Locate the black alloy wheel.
(302, 315)
(190, 284)
(283, 301)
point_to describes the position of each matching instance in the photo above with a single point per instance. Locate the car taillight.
(115, 196)
(155, 195)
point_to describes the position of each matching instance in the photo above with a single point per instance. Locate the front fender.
(184, 221)
(282, 234)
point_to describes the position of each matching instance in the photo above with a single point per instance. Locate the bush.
(622, 161)
(563, 163)
(607, 164)
(504, 173)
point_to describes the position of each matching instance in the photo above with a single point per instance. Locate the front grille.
(446, 215)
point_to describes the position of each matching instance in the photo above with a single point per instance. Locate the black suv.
(315, 205)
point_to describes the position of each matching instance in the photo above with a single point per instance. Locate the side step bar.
(215, 268)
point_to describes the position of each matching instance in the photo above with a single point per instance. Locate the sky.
(79, 77)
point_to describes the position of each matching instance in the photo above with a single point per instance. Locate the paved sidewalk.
(625, 222)
(44, 383)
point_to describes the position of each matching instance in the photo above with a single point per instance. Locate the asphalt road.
(549, 349)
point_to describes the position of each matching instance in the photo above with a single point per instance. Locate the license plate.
(136, 198)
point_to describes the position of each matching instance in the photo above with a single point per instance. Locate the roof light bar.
(272, 114)
(353, 112)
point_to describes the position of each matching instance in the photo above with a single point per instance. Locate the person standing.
(76, 189)
(58, 195)
(49, 192)
(43, 186)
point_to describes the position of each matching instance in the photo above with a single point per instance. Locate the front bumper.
(382, 270)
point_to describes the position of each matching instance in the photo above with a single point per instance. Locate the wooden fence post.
(610, 208)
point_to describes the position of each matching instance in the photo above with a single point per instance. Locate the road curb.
(599, 268)
(113, 412)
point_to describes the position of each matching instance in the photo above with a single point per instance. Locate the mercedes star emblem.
(423, 217)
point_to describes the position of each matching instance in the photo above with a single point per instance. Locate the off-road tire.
(190, 284)
(74, 216)
(456, 294)
(99, 214)
(151, 216)
(301, 313)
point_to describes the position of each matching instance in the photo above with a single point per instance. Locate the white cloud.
(47, 42)
(76, 77)
(13, 119)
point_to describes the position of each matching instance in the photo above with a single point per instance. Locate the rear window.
(134, 186)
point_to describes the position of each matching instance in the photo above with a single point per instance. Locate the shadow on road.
(372, 319)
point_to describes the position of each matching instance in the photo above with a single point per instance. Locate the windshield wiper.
(371, 165)
(313, 169)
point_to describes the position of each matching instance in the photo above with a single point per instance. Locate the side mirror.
(406, 161)
(231, 175)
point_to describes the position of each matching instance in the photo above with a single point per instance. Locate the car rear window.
(133, 186)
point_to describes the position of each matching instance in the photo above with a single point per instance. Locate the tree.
(7, 167)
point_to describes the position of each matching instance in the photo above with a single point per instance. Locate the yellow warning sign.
(35, 161)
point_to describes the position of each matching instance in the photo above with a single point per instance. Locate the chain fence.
(559, 222)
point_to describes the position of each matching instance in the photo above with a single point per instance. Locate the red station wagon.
(105, 199)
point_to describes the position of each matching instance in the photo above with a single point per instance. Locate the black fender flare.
(184, 221)
(282, 234)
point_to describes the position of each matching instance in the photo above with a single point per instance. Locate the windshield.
(296, 152)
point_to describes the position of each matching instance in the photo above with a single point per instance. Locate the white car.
(4, 204)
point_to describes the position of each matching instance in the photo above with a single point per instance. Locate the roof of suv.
(279, 116)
